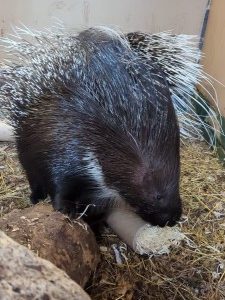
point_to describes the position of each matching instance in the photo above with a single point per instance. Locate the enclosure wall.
(181, 16)
(214, 49)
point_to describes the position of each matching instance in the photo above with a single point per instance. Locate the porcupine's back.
(98, 63)
(179, 57)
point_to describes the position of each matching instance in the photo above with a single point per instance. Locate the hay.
(194, 270)
(14, 189)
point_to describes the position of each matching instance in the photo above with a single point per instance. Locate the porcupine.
(95, 126)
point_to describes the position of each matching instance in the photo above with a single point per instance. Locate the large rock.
(70, 245)
(25, 276)
(6, 132)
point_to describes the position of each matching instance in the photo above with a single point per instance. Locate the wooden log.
(70, 245)
(25, 276)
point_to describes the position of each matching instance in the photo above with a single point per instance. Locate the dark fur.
(122, 112)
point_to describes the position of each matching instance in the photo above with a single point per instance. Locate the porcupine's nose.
(166, 217)
(170, 213)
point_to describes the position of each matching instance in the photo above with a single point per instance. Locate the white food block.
(142, 237)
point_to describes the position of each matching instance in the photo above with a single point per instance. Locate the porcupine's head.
(147, 168)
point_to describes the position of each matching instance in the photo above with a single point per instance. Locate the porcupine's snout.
(168, 218)
(164, 215)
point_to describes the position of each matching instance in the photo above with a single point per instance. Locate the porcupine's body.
(97, 127)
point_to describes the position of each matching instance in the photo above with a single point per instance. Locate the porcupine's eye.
(158, 197)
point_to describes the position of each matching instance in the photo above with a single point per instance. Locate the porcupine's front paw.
(97, 224)
(33, 198)
(64, 206)
(37, 194)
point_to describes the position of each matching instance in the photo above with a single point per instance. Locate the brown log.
(70, 245)
(25, 276)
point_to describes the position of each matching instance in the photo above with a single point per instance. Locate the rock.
(25, 276)
(6, 132)
(70, 245)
